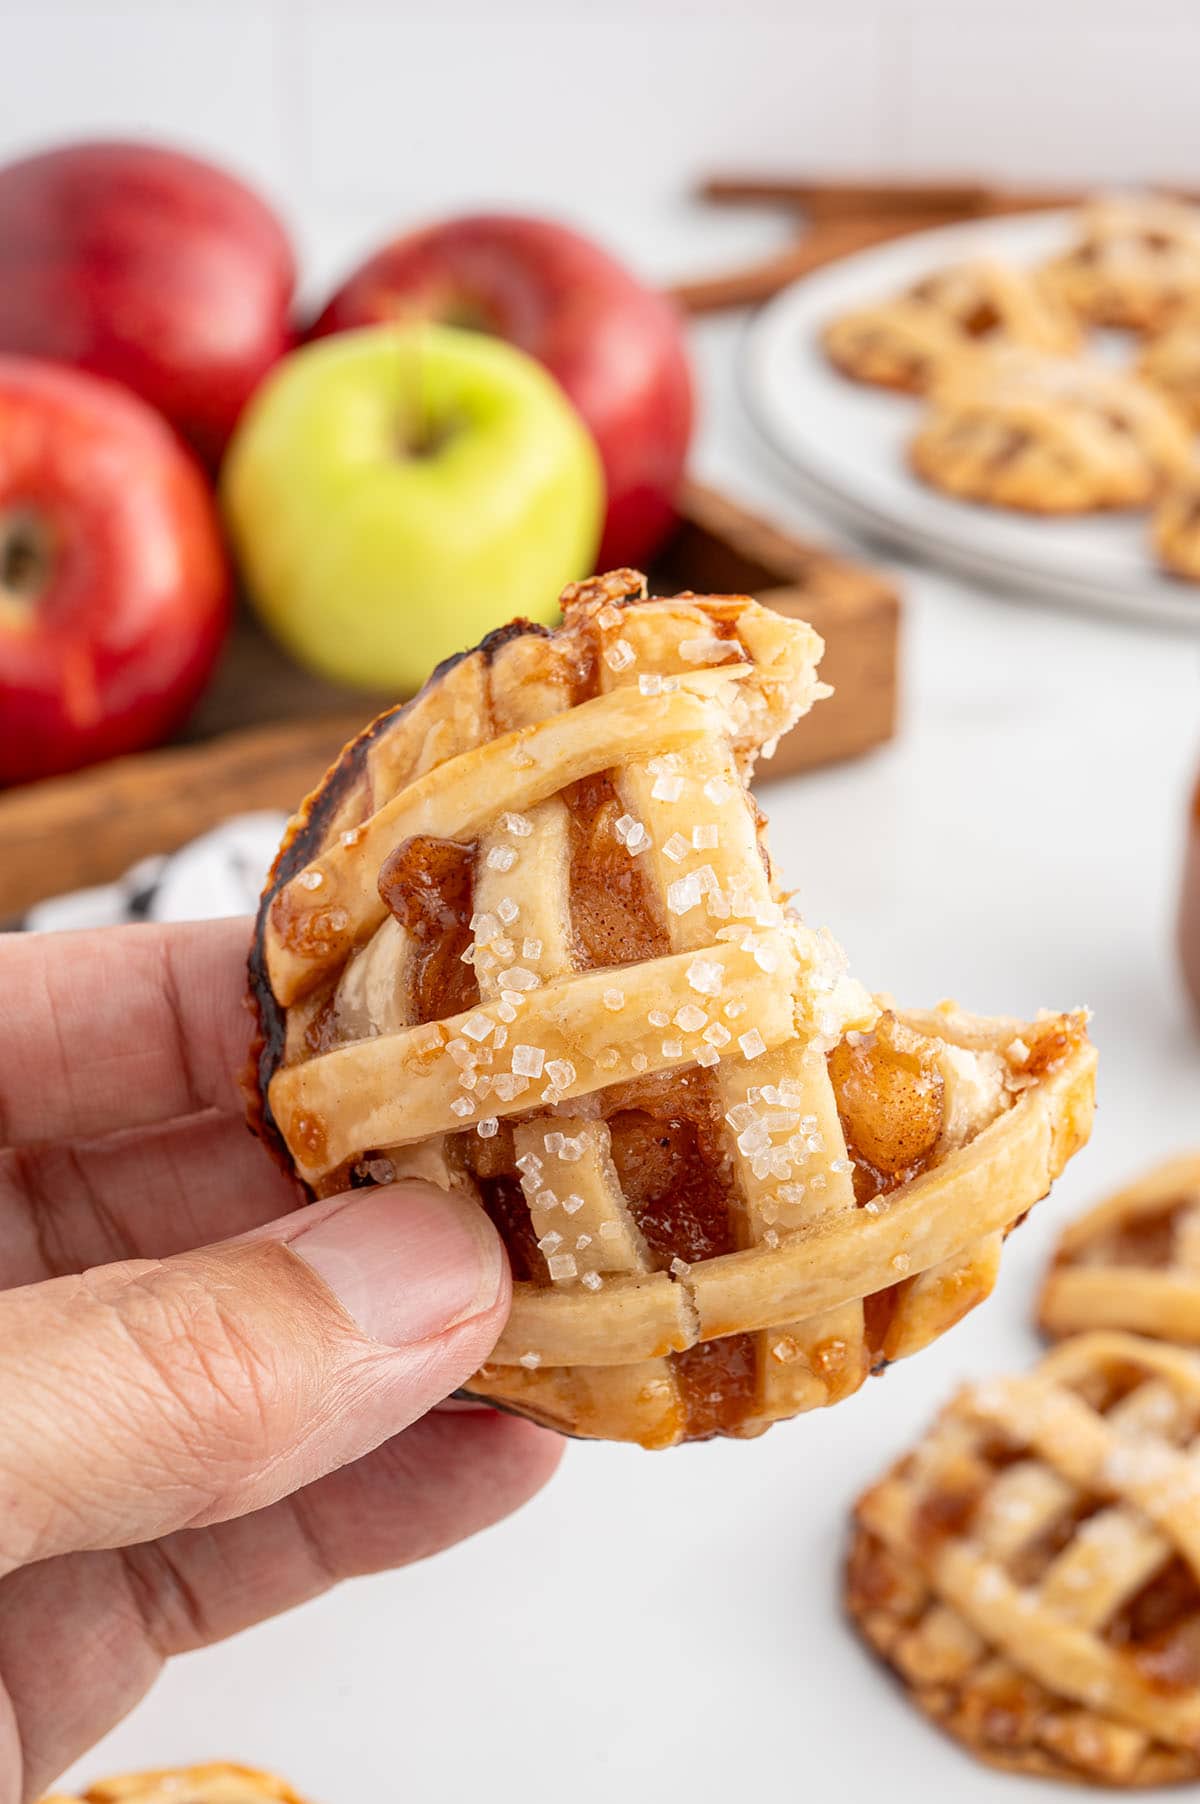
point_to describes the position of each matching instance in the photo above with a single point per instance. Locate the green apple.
(395, 493)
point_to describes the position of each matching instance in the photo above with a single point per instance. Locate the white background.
(357, 115)
(667, 1625)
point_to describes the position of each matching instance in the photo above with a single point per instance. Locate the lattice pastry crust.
(1171, 361)
(1048, 435)
(1135, 262)
(1175, 526)
(218, 1782)
(525, 940)
(1030, 1570)
(1133, 1261)
(903, 342)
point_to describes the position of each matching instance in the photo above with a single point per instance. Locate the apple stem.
(25, 556)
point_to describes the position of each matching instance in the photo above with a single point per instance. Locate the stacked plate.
(849, 441)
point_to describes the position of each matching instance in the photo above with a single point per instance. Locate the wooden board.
(266, 731)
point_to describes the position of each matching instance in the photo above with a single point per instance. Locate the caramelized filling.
(879, 1310)
(1143, 1239)
(611, 906)
(717, 1384)
(1160, 1628)
(1007, 1710)
(427, 884)
(505, 1203)
(1049, 1045)
(320, 1032)
(947, 1513)
(1104, 1388)
(669, 1163)
(890, 1097)
(982, 319)
(1029, 1564)
(666, 1179)
(1013, 445)
(874, 1582)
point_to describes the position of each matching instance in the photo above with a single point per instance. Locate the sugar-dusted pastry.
(1133, 1261)
(1171, 361)
(1134, 261)
(526, 940)
(1046, 435)
(1175, 526)
(1031, 1571)
(903, 342)
(216, 1783)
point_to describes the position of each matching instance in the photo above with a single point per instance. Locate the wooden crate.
(267, 730)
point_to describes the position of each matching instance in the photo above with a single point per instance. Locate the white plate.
(849, 439)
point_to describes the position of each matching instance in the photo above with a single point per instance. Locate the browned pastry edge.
(892, 385)
(303, 832)
(1048, 510)
(128, 1788)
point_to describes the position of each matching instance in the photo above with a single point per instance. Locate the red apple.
(114, 587)
(615, 346)
(151, 267)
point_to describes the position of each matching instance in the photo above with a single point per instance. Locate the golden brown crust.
(1029, 1571)
(1170, 360)
(1134, 262)
(1047, 435)
(529, 945)
(1133, 1261)
(1175, 527)
(902, 343)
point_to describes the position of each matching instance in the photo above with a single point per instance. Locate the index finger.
(120, 1027)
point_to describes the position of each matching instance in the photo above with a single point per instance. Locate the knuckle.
(207, 1381)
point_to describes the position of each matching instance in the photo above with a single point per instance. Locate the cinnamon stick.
(842, 199)
(966, 198)
(757, 282)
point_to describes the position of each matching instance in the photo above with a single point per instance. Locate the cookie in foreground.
(217, 1782)
(1133, 1261)
(1030, 1570)
(526, 940)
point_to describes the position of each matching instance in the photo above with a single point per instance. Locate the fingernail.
(406, 1262)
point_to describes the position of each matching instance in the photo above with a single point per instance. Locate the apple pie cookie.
(1175, 527)
(1171, 361)
(525, 940)
(1134, 262)
(1032, 1570)
(1047, 435)
(216, 1783)
(901, 343)
(1133, 1261)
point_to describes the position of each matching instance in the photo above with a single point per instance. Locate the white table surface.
(668, 1625)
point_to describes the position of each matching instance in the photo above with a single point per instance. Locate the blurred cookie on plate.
(1175, 528)
(902, 342)
(1047, 435)
(1171, 360)
(1135, 261)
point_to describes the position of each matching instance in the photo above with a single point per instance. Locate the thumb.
(153, 1395)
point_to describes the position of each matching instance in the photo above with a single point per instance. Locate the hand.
(190, 1440)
